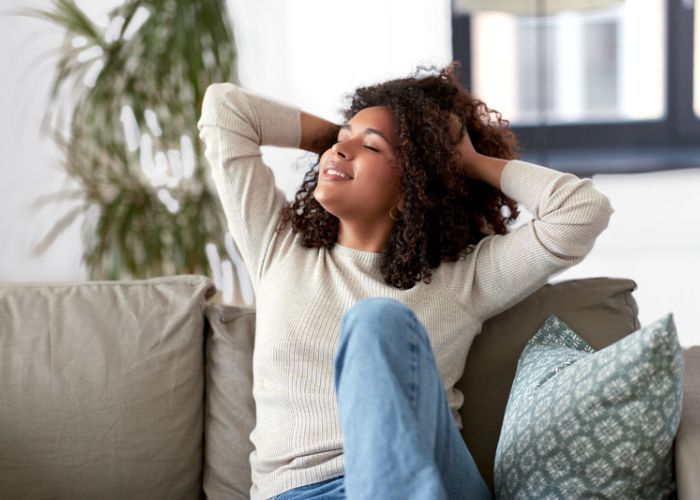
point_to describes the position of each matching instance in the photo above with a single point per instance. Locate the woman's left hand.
(476, 166)
(465, 147)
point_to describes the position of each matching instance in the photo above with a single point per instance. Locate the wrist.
(316, 133)
(486, 169)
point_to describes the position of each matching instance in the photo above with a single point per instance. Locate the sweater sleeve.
(233, 125)
(569, 214)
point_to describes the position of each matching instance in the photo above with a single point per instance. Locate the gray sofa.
(142, 389)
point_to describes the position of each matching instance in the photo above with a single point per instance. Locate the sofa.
(143, 388)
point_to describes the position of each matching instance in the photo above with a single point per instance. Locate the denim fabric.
(330, 489)
(400, 440)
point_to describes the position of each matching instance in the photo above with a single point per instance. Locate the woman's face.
(365, 152)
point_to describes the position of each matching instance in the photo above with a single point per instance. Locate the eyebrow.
(368, 130)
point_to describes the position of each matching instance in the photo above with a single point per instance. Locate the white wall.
(30, 162)
(27, 161)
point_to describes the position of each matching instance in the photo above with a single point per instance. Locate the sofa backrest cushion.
(101, 388)
(229, 408)
(583, 304)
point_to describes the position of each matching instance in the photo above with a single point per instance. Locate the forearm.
(316, 133)
(486, 169)
(254, 119)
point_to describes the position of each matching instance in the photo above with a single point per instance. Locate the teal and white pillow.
(582, 423)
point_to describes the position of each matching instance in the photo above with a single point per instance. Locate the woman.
(357, 347)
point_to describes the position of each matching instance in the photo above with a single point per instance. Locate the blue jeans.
(400, 440)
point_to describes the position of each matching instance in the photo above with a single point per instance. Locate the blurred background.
(102, 175)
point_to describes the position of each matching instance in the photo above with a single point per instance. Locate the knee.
(374, 325)
(376, 318)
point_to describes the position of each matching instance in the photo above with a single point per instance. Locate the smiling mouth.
(332, 172)
(339, 172)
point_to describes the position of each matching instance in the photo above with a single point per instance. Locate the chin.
(325, 207)
(319, 201)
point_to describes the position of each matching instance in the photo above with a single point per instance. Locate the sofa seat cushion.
(101, 388)
(581, 423)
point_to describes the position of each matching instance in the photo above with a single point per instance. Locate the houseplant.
(135, 90)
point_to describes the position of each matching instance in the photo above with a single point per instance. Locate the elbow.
(215, 96)
(570, 237)
(570, 244)
(601, 211)
(215, 92)
(604, 211)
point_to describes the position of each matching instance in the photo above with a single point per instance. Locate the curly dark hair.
(445, 213)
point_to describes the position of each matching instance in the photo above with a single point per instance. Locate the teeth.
(335, 172)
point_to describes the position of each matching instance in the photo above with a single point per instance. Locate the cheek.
(383, 182)
(324, 156)
(391, 175)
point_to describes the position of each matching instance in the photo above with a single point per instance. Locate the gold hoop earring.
(390, 210)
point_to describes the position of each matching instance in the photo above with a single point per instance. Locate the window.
(614, 89)
(605, 64)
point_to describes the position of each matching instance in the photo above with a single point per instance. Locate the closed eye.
(368, 147)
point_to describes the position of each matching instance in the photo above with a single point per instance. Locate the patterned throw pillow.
(587, 424)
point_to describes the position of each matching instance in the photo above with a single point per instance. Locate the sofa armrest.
(688, 438)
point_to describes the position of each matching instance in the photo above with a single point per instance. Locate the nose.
(341, 150)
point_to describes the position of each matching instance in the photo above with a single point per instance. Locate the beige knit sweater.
(302, 293)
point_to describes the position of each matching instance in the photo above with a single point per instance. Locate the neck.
(362, 237)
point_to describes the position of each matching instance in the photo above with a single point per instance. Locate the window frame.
(671, 142)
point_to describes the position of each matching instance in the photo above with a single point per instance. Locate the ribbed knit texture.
(303, 293)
